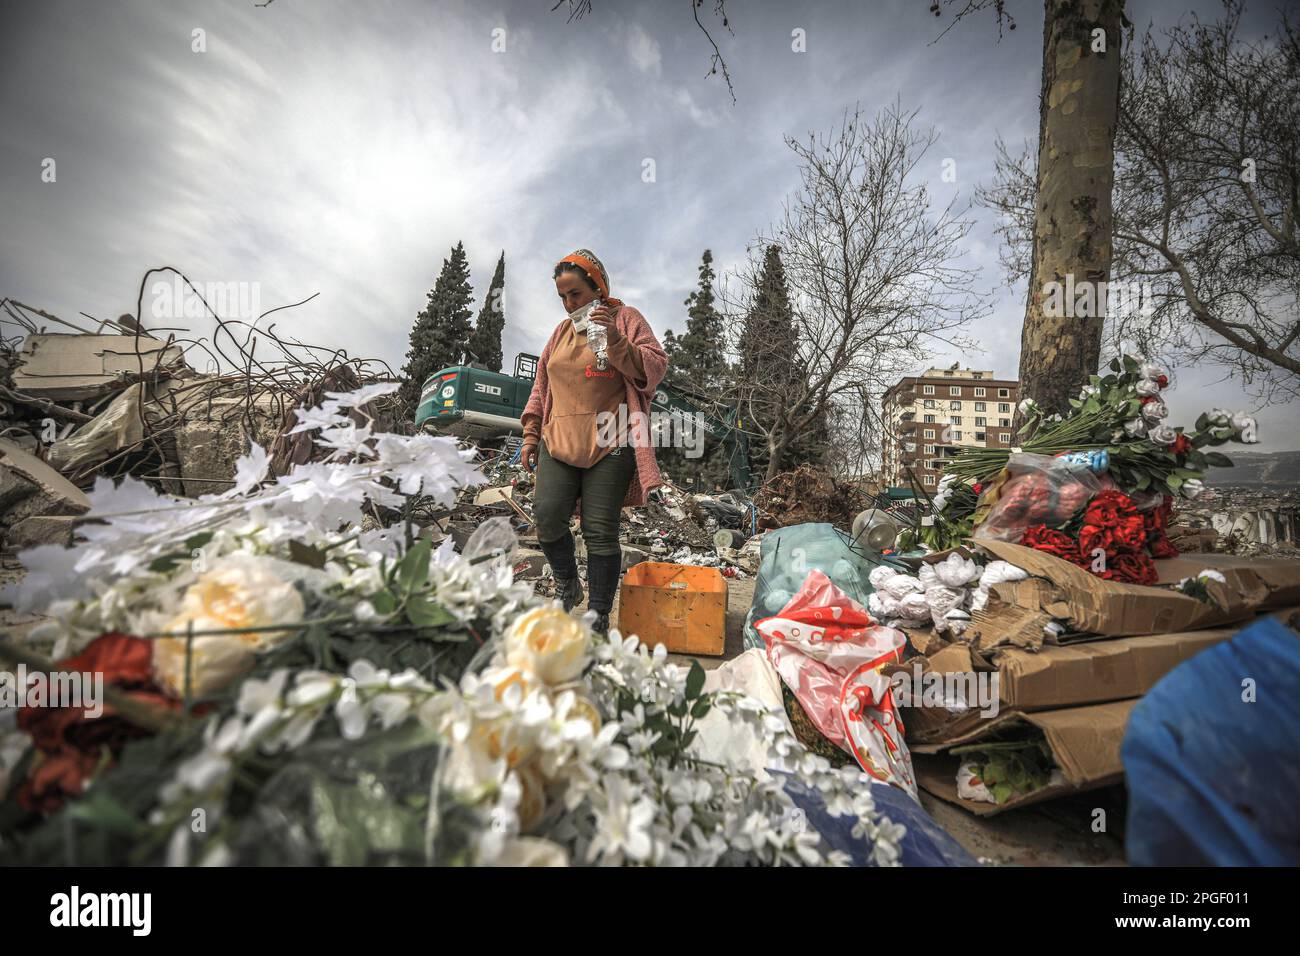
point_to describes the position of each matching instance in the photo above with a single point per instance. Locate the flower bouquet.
(282, 688)
(1096, 486)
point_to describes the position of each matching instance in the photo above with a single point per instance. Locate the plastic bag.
(1037, 489)
(1212, 781)
(786, 556)
(830, 653)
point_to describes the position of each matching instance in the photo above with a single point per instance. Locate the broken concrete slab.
(529, 564)
(53, 495)
(41, 529)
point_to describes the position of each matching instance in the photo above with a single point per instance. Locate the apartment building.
(930, 418)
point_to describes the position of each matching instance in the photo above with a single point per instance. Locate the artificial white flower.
(1163, 435)
(1192, 488)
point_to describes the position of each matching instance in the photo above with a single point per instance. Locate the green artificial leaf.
(1216, 460)
(100, 810)
(678, 709)
(198, 540)
(425, 612)
(1143, 481)
(385, 602)
(1202, 421)
(1173, 482)
(413, 569)
(702, 707)
(694, 681)
(1114, 365)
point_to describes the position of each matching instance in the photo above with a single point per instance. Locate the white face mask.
(579, 316)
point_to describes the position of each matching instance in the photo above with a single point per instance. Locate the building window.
(929, 403)
(1004, 407)
(954, 389)
(981, 406)
(979, 374)
(1004, 423)
(929, 419)
(980, 423)
(954, 420)
(937, 464)
(928, 449)
(956, 436)
(1004, 393)
(928, 479)
(954, 406)
(979, 393)
(979, 436)
(929, 433)
(927, 389)
(1004, 438)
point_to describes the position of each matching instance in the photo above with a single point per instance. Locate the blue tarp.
(1214, 778)
(925, 843)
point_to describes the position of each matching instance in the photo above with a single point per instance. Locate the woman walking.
(583, 386)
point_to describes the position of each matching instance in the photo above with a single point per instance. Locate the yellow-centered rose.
(240, 595)
(550, 644)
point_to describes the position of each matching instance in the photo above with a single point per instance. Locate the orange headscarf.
(594, 269)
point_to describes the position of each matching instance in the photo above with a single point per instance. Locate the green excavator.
(474, 402)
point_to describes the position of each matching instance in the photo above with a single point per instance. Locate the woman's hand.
(528, 455)
(604, 315)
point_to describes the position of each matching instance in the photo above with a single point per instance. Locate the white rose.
(1088, 391)
(1220, 416)
(1135, 428)
(1150, 370)
(237, 595)
(550, 644)
(1246, 428)
(1147, 387)
(1192, 488)
(1155, 411)
(1163, 435)
(1027, 406)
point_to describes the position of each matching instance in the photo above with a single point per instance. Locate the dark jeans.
(602, 488)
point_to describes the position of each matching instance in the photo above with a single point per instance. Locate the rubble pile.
(1241, 520)
(808, 495)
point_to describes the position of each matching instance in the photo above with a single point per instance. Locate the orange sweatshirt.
(579, 392)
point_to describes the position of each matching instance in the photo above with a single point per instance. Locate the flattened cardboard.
(1278, 577)
(1058, 677)
(1114, 609)
(1084, 741)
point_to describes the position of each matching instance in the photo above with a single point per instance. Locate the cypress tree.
(442, 330)
(485, 343)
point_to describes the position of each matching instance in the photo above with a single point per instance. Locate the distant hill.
(1257, 468)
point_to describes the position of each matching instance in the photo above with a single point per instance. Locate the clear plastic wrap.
(1038, 489)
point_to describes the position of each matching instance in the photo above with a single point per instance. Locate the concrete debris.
(29, 487)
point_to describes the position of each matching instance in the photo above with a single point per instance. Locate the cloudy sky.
(342, 148)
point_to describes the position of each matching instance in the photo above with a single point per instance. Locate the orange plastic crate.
(679, 605)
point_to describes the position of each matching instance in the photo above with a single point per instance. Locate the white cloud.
(644, 50)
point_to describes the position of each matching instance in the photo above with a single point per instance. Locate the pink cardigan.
(655, 362)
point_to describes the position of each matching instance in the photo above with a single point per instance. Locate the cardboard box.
(1084, 741)
(1095, 607)
(1057, 677)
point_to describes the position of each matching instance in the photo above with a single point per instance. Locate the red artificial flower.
(1134, 568)
(1053, 542)
(70, 743)
(1162, 380)
(979, 488)
(1181, 446)
(1148, 399)
(1157, 521)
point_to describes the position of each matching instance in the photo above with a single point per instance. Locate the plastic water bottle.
(598, 342)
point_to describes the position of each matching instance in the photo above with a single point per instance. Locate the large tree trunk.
(1078, 112)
